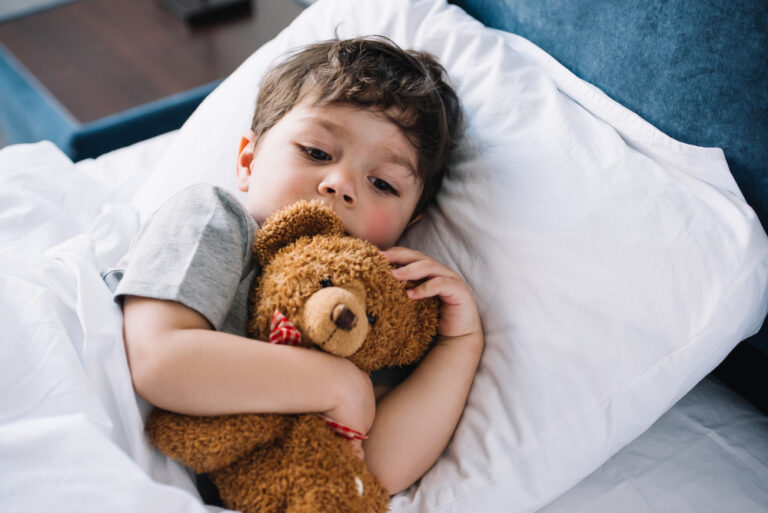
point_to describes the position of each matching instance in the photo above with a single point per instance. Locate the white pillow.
(613, 266)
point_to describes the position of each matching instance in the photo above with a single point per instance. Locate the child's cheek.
(380, 229)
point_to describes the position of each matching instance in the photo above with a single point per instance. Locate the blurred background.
(95, 75)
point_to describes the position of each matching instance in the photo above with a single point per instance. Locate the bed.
(616, 252)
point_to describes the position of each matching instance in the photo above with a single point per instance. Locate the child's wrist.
(473, 341)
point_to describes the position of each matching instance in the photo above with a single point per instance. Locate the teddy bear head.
(337, 290)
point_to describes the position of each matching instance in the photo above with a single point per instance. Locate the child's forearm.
(179, 365)
(415, 421)
(237, 376)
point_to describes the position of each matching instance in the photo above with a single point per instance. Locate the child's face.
(356, 160)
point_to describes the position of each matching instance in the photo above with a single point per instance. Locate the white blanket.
(71, 429)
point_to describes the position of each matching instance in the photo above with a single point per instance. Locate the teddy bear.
(321, 289)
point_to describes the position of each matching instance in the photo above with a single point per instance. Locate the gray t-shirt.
(196, 250)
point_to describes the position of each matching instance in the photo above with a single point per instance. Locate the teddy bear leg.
(257, 483)
(327, 476)
(209, 443)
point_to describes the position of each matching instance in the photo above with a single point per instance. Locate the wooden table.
(94, 75)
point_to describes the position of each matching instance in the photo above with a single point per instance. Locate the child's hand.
(354, 402)
(458, 312)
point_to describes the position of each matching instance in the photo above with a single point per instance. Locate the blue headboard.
(696, 69)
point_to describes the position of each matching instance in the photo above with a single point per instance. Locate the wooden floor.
(99, 57)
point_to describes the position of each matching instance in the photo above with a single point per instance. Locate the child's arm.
(180, 364)
(415, 421)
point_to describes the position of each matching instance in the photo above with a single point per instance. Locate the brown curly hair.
(410, 87)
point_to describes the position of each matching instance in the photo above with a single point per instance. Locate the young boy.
(366, 127)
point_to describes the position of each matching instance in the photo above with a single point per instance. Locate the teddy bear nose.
(343, 317)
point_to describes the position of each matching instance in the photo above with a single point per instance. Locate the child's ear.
(244, 159)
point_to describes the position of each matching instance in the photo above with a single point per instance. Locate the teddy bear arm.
(208, 443)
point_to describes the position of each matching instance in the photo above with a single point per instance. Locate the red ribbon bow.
(343, 430)
(283, 331)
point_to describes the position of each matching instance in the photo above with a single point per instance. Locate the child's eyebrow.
(400, 160)
(326, 124)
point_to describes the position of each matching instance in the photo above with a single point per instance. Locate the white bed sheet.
(708, 454)
(71, 432)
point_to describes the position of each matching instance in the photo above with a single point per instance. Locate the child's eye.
(315, 154)
(383, 186)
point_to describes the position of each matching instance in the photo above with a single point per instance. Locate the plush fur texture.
(342, 296)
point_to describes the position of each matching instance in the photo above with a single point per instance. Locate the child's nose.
(339, 187)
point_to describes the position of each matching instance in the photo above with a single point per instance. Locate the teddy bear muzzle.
(334, 319)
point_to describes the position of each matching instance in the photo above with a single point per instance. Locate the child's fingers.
(416, 265)
(449, 290)
(458, 313)
(422, 269)
(357, 448)
(401, 255)
(439, 280)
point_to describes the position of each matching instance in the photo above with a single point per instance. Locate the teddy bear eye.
(326, 283)
(371, 319)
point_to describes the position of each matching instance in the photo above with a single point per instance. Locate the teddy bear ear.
(301, 219)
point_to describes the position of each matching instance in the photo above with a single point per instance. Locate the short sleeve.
(195, 250)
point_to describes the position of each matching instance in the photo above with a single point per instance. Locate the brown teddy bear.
(318, 288)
